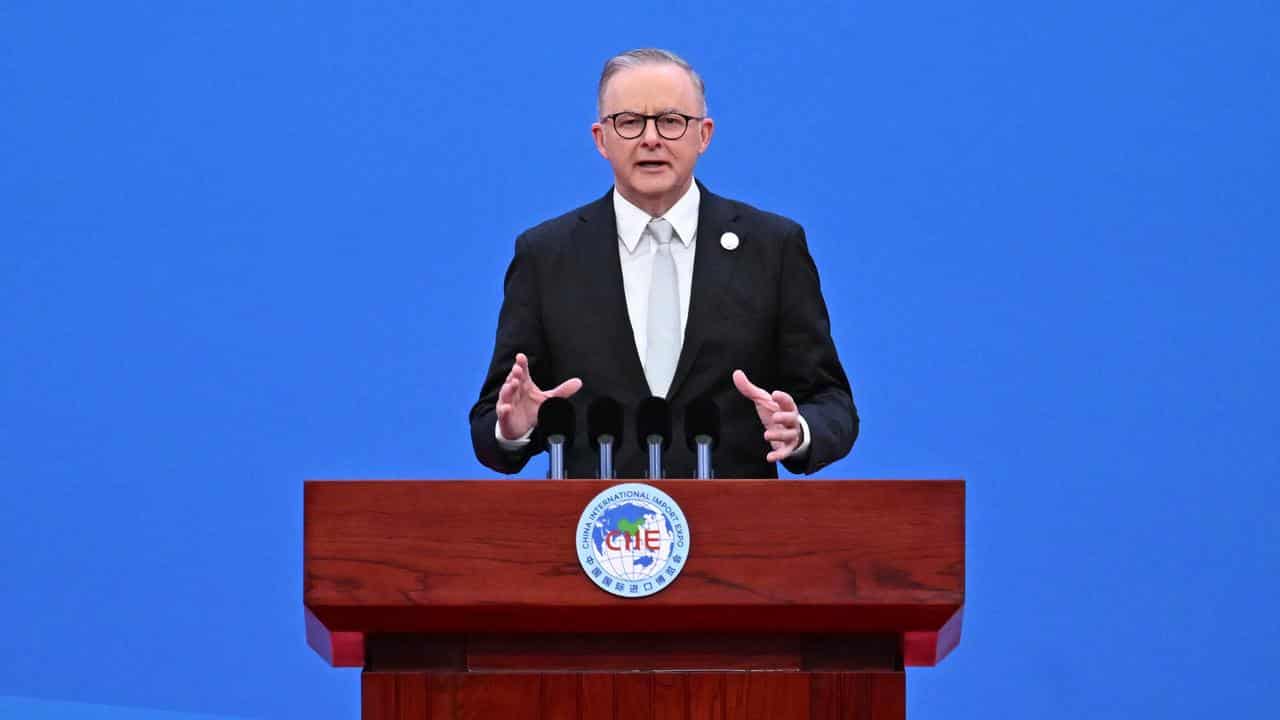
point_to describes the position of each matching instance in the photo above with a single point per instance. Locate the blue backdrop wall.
(247, 244)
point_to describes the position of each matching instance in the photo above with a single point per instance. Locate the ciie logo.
(633, 540)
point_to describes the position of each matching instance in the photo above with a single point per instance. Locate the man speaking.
(662, 288)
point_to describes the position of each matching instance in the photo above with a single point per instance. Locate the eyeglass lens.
(631, 125)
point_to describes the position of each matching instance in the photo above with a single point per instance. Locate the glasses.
(629, 125)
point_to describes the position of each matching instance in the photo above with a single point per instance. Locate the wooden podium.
(799, 599)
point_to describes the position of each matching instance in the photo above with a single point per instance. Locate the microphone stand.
(555, 418)
(555, 445)
(653, 430)
(606, 456)
(704, 456)
(655, 456)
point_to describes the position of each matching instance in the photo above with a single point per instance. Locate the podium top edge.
(620, 481)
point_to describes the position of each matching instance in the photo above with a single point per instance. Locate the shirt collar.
(683, 217)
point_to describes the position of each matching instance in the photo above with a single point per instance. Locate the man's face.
(651, 171)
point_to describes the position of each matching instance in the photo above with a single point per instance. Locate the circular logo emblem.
(633, 540)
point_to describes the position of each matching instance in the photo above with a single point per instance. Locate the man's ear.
(706, 128)
(597, 134)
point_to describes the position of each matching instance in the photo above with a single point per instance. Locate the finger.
(785, 419)
(566, 388)
(778, 455)
(784, 400)
(787, 436)
(525, 386)
(748, 389)
(503, 410)
(513, 383)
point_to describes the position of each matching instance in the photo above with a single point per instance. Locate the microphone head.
(555, 417)
(604, 417)
(654, 418)
(702, 417)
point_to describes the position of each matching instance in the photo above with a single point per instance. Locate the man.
(663, 288)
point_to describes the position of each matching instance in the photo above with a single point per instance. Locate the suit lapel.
(713, 269)
(595, 240)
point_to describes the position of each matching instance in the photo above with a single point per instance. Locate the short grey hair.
(646, 56)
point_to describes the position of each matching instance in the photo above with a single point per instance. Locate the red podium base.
(735, 695)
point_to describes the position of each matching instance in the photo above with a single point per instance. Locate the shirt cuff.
(521, 441)
(804, 443)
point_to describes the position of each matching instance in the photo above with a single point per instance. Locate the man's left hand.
(779, 415)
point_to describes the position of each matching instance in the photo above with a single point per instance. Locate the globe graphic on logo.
(632, 540)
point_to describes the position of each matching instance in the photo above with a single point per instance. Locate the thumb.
(565, 389)
(748, 390)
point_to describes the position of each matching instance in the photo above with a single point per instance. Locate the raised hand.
(519, 399)
(778, 414)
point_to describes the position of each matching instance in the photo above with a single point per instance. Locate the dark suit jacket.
(758, 308)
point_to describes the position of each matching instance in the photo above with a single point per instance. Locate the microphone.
(604, 431)
(653, 428)
(702, 432)
(555, 423)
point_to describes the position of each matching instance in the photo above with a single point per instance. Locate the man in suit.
(663, 288)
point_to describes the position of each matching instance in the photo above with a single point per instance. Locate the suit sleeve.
(807, 361)
(519, 330)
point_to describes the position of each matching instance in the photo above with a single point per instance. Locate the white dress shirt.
(636, 252)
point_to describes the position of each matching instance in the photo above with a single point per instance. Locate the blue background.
(247, 244)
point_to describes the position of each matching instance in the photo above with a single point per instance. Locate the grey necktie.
(664, 312)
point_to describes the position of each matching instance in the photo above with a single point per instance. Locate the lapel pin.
(729, 241)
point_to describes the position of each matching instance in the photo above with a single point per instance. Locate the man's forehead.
(652, 89)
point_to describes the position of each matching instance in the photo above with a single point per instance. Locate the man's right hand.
(519, 399)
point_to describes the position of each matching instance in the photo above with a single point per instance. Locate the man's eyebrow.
(663, 111)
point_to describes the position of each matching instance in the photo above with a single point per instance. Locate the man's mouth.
(651, 164)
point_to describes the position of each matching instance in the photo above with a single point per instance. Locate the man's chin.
(655, 186)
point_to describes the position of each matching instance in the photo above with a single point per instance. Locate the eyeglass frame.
(646, 118)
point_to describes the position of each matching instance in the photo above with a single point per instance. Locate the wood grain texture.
(634, 696)
(778, 695)
(442, 695)
(706, 695)
(411, 696)
(826, 696)
(735, 695)
(670, 696)
(861, 696)
(561, 695)
(887, 695)
(378, 700)
(828, 556)
(595, 695)
(483, 696)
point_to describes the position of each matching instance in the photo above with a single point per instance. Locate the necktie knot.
(661, 231)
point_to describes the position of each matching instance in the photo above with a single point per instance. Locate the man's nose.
(650, 135)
